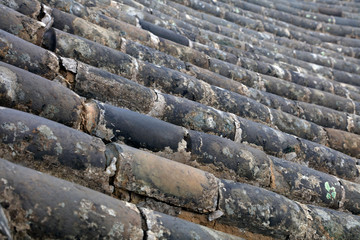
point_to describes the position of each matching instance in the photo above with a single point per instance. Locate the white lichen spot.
(46, 132)
(226, 152)
(324, 215)
(9, 127)
(287, 32)
(238, 130)
(265, 35)
(191, 44)
(187, 17)
(58, 149)
(146, 190)
(44, 220)
(210, 122)
(280, 72)
(136, 65)
(351, 222)
(342, 163)
(315, 67)
(47, 19)
(116, 230)
(159, 105)
(22, 128)
(111, 169)
(48, 210)
(28, 213)
(107, 210)
(350, 123)
(132, 207)
(290, 156)
(5, 182)
(69, 64)
(62, 204)
(215, 215)
(228, 208)
(81, 148)
(8, 80)
(249, 157)
(154, 39)
(194, 235)
(182, 145)
(101, 130)
(12, 4)
(156, 230)
(270, 115)
(85, 207)
(66, 28)
(135, 13)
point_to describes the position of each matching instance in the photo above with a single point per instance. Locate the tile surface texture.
(179, 119)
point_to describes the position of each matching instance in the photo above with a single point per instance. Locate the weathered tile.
(23, 54)
(39, 205)
(261, 211)
(349, 142)
(54, 148)
(20, 90)
(161, 226)
(165, 180)
(22, 26)
(99, 84)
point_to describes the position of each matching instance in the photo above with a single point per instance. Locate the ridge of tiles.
(179, 119)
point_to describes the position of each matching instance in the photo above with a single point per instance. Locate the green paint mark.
(333, 194)
(327, 186)
(288, 149)
(331, 191)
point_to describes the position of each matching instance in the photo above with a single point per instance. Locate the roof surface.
(183, 119)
